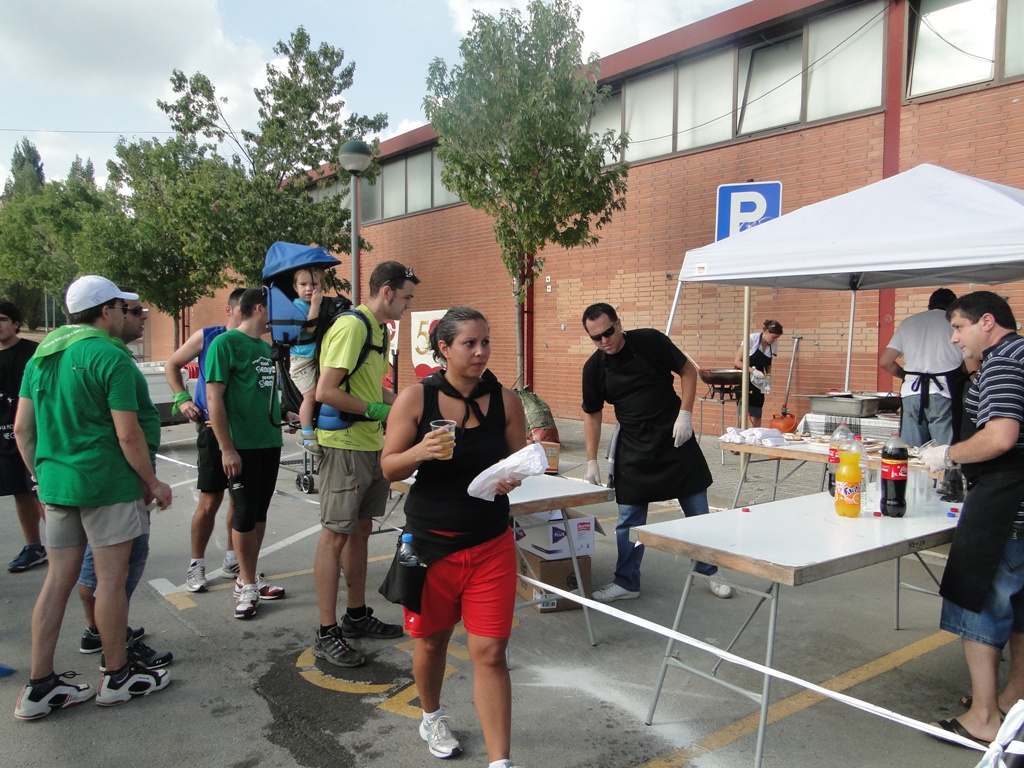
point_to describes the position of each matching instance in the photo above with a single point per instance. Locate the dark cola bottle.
(894, 477)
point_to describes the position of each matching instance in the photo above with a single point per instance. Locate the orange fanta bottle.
(848, 479)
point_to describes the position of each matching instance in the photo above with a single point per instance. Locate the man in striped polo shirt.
(983, 582)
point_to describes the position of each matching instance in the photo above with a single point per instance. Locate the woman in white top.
(762, 349)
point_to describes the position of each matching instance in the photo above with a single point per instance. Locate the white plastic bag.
(531, 460)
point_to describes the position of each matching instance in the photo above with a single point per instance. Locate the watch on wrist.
(950, 464)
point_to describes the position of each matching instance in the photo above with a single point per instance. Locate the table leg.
(766, 688)
(579, 579)
(671, 644)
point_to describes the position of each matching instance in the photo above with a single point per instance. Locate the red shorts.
(476, 585)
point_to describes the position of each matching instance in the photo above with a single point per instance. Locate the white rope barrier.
(993, 755)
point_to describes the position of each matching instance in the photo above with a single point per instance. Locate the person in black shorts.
(212, 481)
(244, 408)
(15, 479)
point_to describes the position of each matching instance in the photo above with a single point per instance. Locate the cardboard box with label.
(544, 533)
(557, 573)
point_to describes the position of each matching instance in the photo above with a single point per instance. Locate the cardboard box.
(543, 534)
(557, 573)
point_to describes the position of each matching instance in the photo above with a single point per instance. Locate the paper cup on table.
(551, 450)
(449, 425)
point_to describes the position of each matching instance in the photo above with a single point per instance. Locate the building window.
(369, 200)
(442, 195)
(705, 100)
(418, 180)
(608, 118)
(392, 179)
(845, 53)
(1014, 63)
(648, 105)
(770, 85)
(954, 44)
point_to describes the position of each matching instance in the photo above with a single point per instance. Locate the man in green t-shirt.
(352, 486)
(77, 428)
(245, 415)
(149, 419)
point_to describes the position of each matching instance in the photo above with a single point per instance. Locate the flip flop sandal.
(954, 726)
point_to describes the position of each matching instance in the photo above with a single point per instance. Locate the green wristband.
(377, 411)
(180, 399)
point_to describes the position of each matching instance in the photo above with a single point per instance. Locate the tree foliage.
(300, 128)
(40, 230)
(27, 177)
(513, 120)
(161, 238)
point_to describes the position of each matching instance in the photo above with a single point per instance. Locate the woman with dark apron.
(762, 348)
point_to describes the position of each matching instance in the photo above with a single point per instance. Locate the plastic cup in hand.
(449, 426)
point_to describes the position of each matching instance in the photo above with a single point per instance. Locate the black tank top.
(440, 514)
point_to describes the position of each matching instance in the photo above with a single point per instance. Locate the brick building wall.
(670, 209)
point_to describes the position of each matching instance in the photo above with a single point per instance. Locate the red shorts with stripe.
(476, 585)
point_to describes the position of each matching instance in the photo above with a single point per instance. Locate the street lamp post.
(355, 156)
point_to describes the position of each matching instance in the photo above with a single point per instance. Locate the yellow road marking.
(181, 600)
(307, 668)
(800, 701)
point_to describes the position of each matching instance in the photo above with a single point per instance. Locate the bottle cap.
(951, 513)
(878, 514)
(745, 509)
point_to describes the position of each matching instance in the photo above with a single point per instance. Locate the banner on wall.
(419, 336)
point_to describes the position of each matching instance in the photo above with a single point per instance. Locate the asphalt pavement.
(250, 694)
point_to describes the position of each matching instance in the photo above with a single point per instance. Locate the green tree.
(300, 130)
(513, 124)
(40, 230)
(162, 237)
(26, 171)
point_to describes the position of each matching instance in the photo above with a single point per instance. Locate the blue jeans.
(938, 420)
(627, 567)
(136, 565)
(1003, 611)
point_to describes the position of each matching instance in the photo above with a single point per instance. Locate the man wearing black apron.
(932, 374)
(983, 582)
(656, 455)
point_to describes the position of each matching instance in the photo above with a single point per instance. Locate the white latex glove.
(593, 473)
(682, 430)
(757, 378)
(934, 458)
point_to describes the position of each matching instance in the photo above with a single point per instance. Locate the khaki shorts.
(303, 373)
(99, 526)
(352, 488)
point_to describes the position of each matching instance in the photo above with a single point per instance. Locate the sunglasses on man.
(605, 334)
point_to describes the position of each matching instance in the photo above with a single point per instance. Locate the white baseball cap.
(92, 291)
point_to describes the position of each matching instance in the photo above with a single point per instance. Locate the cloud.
(608, 25)
(102, 65)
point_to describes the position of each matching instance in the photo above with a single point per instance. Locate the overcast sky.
(77, 74)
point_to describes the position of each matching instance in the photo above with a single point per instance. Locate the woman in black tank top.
(467, 541)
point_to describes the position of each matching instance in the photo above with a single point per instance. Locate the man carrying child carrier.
(353, 360)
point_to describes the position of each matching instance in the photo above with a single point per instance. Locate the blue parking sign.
(741, 206)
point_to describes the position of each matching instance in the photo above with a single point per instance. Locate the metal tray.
(855, 406)
(888, 402)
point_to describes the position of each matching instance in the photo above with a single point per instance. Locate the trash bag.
(540, 424)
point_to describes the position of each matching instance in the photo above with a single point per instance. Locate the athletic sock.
(429, 717)
(325, 629)
(356, 614)
(308, 433)
(197, 561)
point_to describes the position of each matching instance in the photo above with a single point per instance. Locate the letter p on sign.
(741, 206)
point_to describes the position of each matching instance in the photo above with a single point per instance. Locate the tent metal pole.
(672, 311)
(849, 341)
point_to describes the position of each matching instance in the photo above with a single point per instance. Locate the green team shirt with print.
(79, 462)
(243, 365)
(340, 349)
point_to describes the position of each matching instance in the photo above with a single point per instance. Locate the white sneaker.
(611, 592)
(248, 602)
(32, 705)
(720, 589)
(230, 569)
(139, 682)
(439, 737)
(196, 579)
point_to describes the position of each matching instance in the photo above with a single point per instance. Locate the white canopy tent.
(927, 226)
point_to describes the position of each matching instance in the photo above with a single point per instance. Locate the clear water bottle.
(407, 556)
(839, 437)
